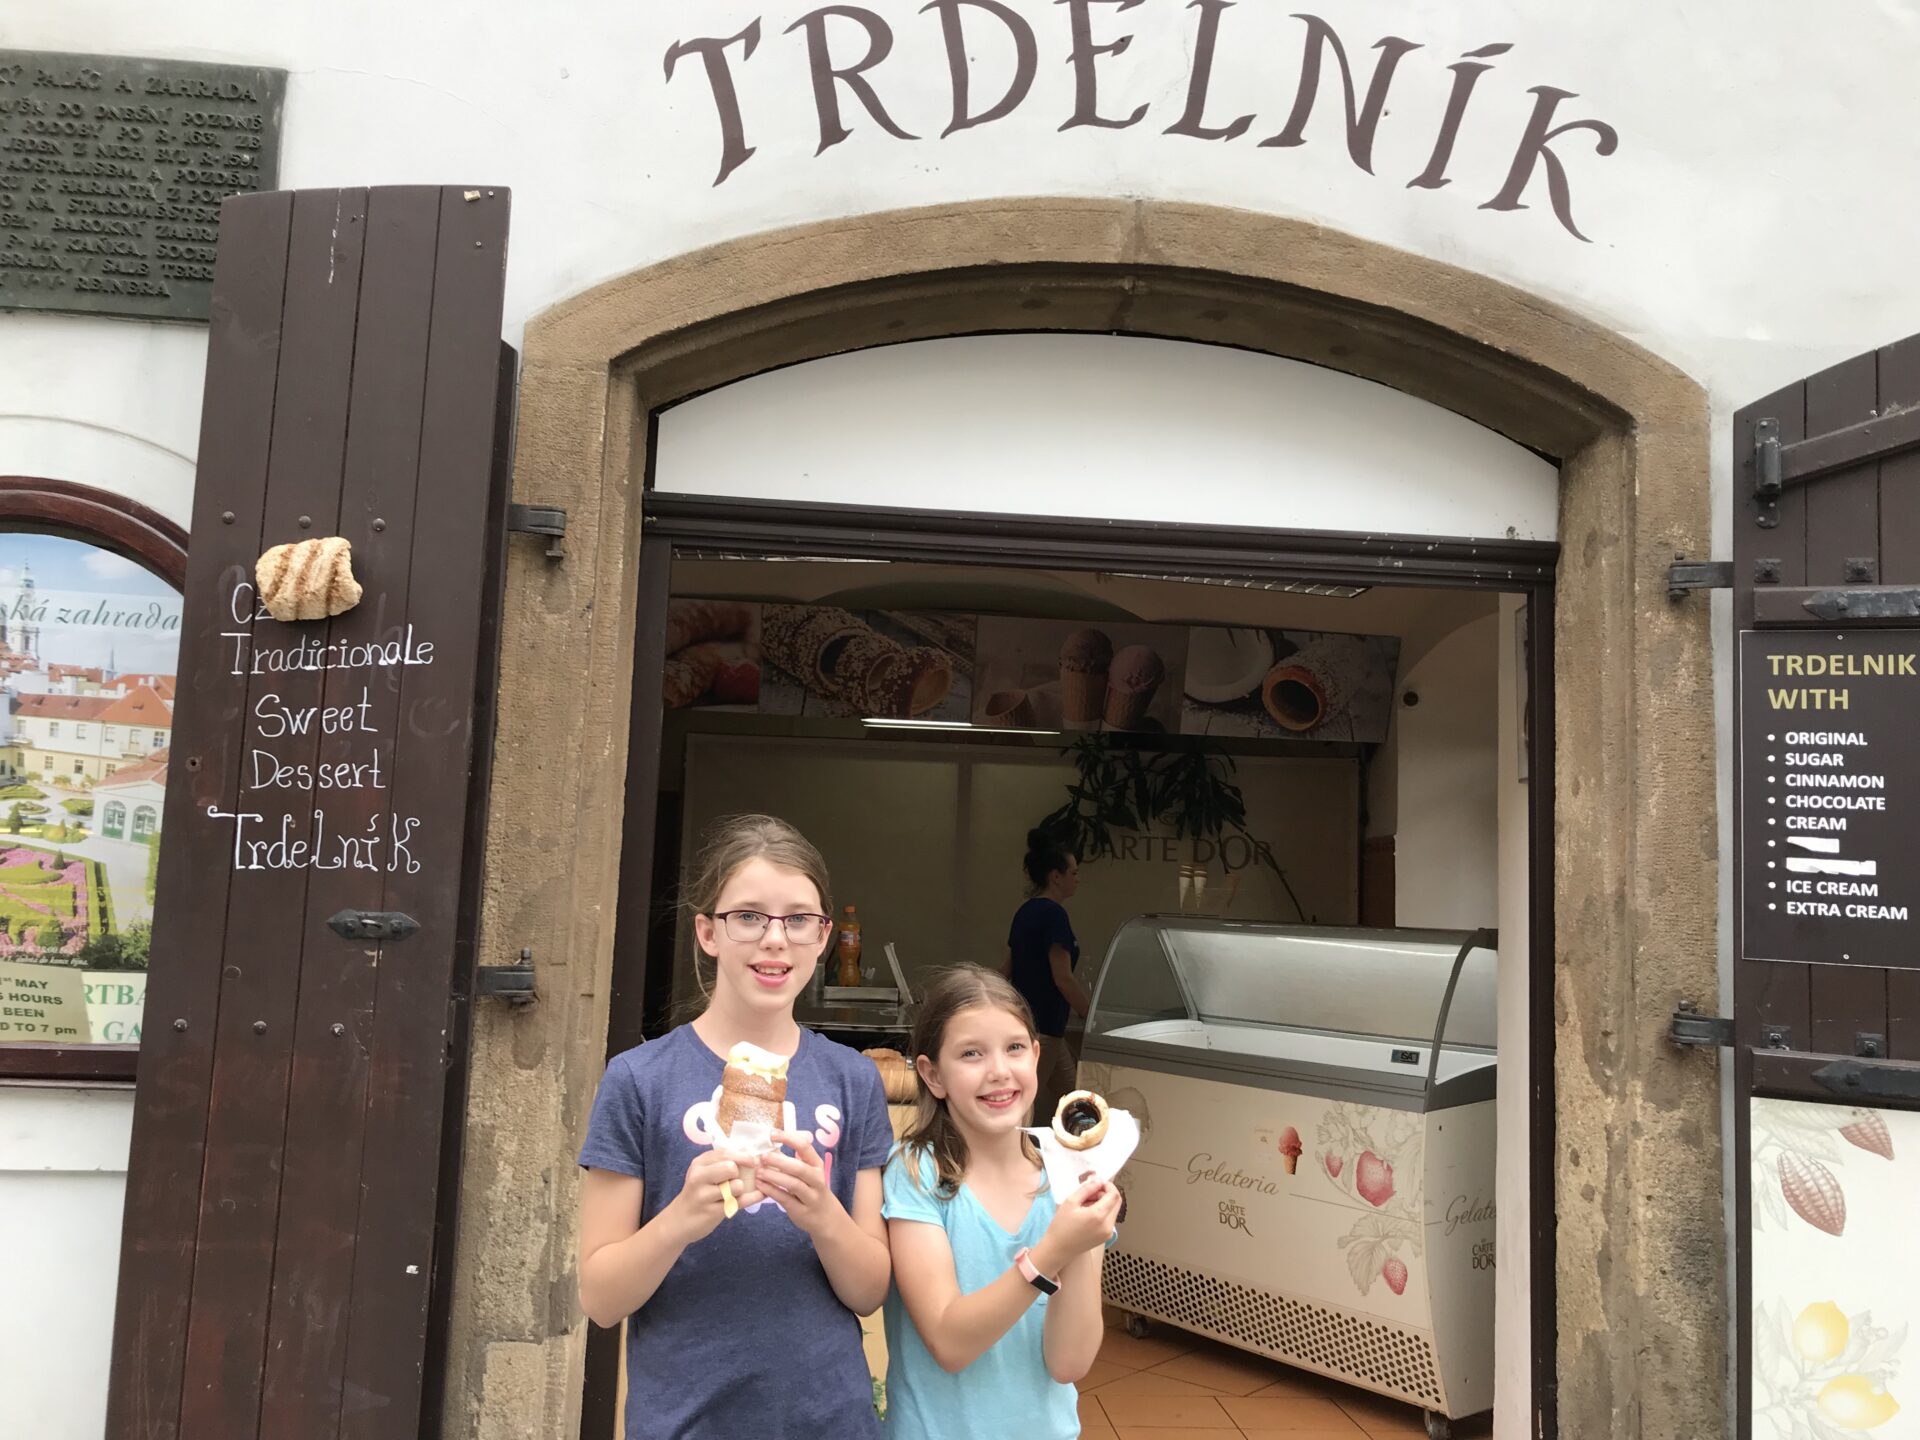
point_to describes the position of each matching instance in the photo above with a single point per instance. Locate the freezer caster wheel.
(1439, 1427)
(1138, 1327)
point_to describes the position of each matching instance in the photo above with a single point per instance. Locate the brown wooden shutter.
(286, 1208)
(1826, 520)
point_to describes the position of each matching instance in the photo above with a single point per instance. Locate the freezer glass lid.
(1339, 980)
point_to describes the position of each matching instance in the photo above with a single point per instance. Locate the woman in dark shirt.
(1041, 954)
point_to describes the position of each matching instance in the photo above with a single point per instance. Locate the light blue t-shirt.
(1007, 1391)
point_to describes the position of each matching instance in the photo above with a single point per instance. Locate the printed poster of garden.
(88, 651)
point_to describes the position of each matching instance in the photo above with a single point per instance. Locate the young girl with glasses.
(995, 1310)
(744, 1325)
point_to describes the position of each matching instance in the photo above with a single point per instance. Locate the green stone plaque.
(112, 170)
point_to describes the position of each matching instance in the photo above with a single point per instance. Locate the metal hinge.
(1766, 471)
(548, 520)
(1878, 602)
(1691, 1027)
(511, 983)
(1684, 575)
(1871, 1080)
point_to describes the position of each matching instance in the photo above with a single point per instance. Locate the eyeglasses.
(746, 926)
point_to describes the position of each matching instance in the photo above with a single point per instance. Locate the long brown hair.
(932, 1130)
(730, 842)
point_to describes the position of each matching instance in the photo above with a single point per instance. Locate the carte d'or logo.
(1233, 1215)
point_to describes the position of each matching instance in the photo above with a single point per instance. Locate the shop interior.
(1382, 814)
(1316, 758)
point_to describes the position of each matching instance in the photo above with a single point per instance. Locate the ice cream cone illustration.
(1290, 1148)
(1084, 661)
(1132, 681)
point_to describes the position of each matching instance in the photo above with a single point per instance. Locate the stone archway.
(1641, 1259)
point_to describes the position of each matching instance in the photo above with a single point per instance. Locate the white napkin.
(749, 1140)
(1065, 1167)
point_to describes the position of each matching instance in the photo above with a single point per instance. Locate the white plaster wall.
(1445, 849)
(63, 1161)
(106, 403)
(1112, 426)
(1746, 239)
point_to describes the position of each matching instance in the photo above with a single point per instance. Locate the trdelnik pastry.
(307, 579)
(753, 1102)
(1081, 1120)
(753, 1088)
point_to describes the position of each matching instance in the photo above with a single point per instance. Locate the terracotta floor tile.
(1289, 1381)
(1221, 1369)
(1098, 1432)
(1155, 1432)
(1122, 1349)
(1164, 1412)
(1379, 1416)
(1302, 1434)
(1149, 1382)
(1289, 1412)
(1090, 1412)
(1101, 1372)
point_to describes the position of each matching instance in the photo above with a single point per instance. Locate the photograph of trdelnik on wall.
(870, 664)
(1289, 684)
(713, 655)
(88, 648)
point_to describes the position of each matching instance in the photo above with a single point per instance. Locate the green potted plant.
(1189, 790)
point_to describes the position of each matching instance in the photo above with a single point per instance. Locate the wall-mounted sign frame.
(90, 583)
(112, 172)
(1830, 788)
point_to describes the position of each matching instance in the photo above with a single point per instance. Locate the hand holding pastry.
(1083, 1221)
(798, 1181)
(713, 1190)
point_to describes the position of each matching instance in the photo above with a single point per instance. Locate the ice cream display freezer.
(1315, 1176)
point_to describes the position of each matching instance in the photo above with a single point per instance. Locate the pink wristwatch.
(1023, 1262)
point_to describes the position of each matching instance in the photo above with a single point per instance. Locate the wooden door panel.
(286, 1198)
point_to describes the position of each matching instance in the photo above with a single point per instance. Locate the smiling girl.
(744, 1325)
(995, 1311)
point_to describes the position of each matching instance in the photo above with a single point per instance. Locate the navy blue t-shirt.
(745, 1336)
(1038, 926)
